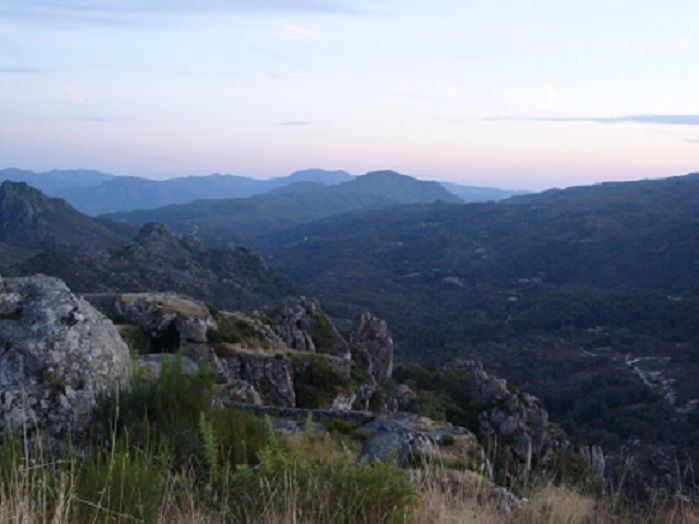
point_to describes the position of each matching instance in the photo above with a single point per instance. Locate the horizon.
(421, 178)
(507, 96)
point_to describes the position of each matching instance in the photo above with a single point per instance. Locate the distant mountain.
(298, 188)
(96, 193)
(56, 182)
(246, 221)
(321, 176)
(399, 188)
(587, 296)
(470, 194)
(30, 221)
(157, 260)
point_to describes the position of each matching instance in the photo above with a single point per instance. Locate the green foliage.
(124, 484)
(315, 380)
(330, 488)
(220, 336)
(322, 335)
(340, 426)
(446, 440)
(442, 394)
(175, 413)
(233, 331)
(571, 469)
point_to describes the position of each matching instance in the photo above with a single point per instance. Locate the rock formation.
(372, 347)
(516, 423)
(303, 325)
(158, 260)
(57, 355)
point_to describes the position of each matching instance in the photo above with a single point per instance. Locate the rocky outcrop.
(517, 423)
(303, 325)
(159, 261)
(594, 457)
(164, 315)
(57, 355)
(401, 437)
(270, 375)
(372, 347)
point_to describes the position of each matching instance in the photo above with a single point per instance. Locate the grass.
(160, 453)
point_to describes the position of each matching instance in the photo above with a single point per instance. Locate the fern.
(210, 447)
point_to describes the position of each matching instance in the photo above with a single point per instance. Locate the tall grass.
(160, 453)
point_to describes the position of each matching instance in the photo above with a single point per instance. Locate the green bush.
(340, 426)
(124, 485)
(323, 336)
(316, 381)
(168, 412)
(223, 336)
(446, 440)
(334, 489)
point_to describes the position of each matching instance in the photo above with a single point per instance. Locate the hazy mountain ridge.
(94, 193)
(247, 221)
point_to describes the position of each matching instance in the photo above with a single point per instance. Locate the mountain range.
(95, 193)
(245, 221)
(586, 296)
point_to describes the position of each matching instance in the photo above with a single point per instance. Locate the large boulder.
(171, 321)
(57, 355)
(372, 347)
(400, 437)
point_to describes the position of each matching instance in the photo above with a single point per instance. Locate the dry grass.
(31, 497)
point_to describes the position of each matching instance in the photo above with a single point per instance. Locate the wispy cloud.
(671, 120)
(73, 93)
(552, 92)
(686, 40)
(295, 123)
(93, 119)
(20, 70)
(300, 32)
(118, 12)
(448, 90)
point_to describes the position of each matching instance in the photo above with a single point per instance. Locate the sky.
(508, 93)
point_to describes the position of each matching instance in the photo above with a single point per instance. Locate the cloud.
(552, 92)
(295, 123)
(669, 120)
(73, 93)
(20, 70)
(300, 32)
(448, 90)
(119, 12)
(95, 119)
(686, 39)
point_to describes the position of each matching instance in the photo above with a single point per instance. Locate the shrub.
(340, 426)
(171, 412)
(323, 336)
(316, 381)
(333, 488)
(446, 440)
(125, 484)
